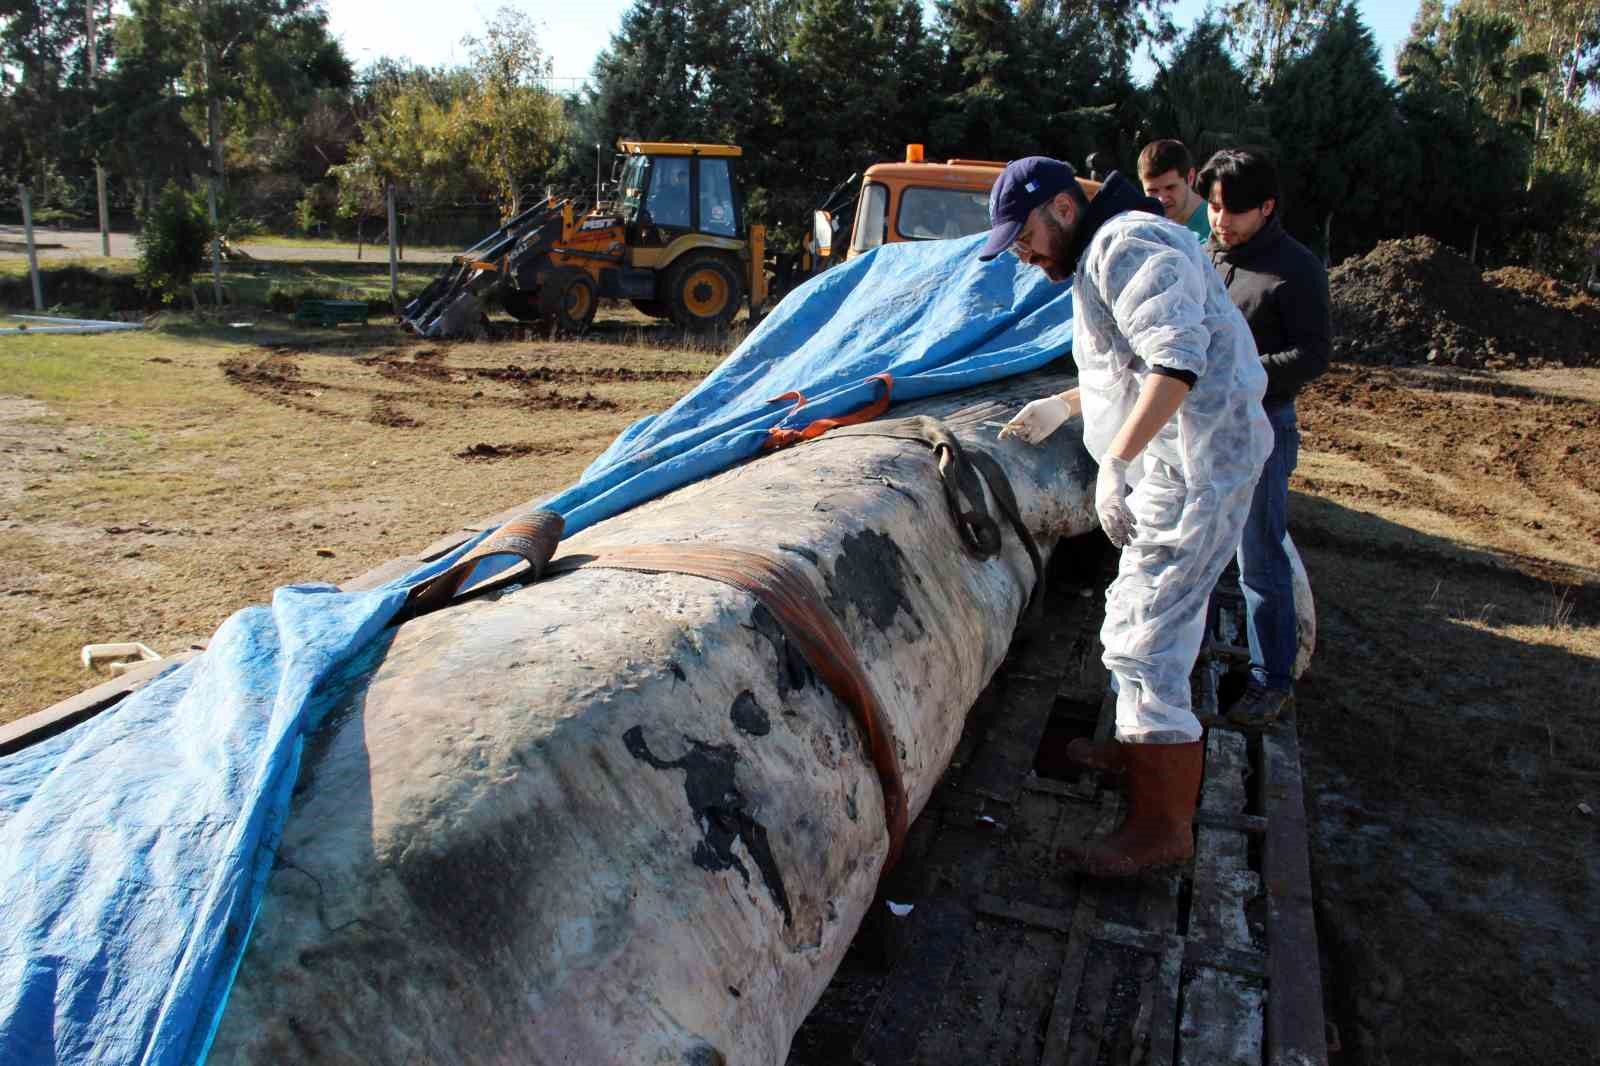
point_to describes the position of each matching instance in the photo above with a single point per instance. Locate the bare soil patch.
(1451, 722)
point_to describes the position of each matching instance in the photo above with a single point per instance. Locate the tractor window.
(630, 186)
(939, 214)
(668, 200)
(716, 198)
(871, 218)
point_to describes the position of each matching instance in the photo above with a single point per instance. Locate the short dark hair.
(1158, 157)
(1248, 178)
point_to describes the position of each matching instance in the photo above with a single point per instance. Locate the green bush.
(172, 243)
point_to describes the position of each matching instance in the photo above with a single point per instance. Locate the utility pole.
(99, 171)
(33, 258)
(214, 165)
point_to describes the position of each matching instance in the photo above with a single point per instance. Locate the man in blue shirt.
(1167, 172)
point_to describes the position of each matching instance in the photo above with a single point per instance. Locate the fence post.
(394, 262)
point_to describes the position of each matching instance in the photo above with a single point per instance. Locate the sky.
(574, 32)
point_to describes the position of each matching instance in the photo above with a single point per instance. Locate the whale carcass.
(616, 817)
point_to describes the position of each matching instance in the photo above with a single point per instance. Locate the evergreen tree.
(1202, 98)
(679, 70)
(988, 105)
(44, 85)
(1273, 32)
(1340, 156)
(1447, 86)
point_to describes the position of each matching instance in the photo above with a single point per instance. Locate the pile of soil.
(1417, 301)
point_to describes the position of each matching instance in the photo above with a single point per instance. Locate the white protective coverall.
(1143, 296)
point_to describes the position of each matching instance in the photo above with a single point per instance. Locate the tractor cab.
(666, 190)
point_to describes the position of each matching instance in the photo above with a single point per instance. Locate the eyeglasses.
(1022, 246)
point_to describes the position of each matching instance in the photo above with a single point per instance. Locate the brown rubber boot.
(1163, 786)
(1105, 757)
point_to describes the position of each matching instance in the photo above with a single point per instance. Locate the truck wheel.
(523, 306)
(653, 308)
(703, 291)
(568, 298)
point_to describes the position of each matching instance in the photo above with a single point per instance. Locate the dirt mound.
(1417, 301)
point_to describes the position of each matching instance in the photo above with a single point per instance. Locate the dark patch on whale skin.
(870, 573)
(719, 808)
(794, 672)
(749, 715)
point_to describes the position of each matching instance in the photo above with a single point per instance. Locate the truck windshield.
(872, 227)
(630, 187)
(940, 214)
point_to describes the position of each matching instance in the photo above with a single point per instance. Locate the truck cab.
(922, 201)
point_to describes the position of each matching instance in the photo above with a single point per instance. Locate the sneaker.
(1259, 707)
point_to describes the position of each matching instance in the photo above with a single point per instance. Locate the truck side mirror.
(822, 233)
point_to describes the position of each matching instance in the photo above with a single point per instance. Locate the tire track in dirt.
(278, 379)
(1483, 453)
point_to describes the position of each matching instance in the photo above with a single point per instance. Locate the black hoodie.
(1282, 291)
(1117, 194)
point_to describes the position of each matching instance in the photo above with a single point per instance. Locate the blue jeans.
(1264, 571)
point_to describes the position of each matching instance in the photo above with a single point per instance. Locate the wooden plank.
(1064, 1004)
(59, 717)
(1244, 961)
(1003, 760)
(1253, 824)
(1030, 870)
(1222, 1011)
(1017, 1034)
(1222, 1020)
(1087, 1023)
(1296, 1033)
(1223, 881)
(1156, 1029)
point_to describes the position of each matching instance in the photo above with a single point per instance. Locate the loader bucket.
(452, 304)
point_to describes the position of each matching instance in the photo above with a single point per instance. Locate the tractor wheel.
(569, 299)
(703, 291)
(653, 308)
(523, 306)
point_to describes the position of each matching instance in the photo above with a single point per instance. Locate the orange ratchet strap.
(782, 438)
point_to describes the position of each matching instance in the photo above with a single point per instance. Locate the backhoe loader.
(672, 239)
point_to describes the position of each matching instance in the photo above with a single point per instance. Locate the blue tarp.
(134, 848)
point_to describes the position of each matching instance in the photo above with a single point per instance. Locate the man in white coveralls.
(1170, 390)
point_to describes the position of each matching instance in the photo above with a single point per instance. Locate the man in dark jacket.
(1282, 290)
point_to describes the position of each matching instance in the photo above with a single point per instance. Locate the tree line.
(1485, 133)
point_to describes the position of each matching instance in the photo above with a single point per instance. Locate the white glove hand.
(1038, 419)
(1111, 500)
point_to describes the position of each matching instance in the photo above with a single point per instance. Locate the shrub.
(172, 243)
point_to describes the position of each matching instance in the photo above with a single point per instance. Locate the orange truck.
(916, 200)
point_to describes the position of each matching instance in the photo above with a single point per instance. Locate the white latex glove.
(1111, 500)
(1038, 419)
